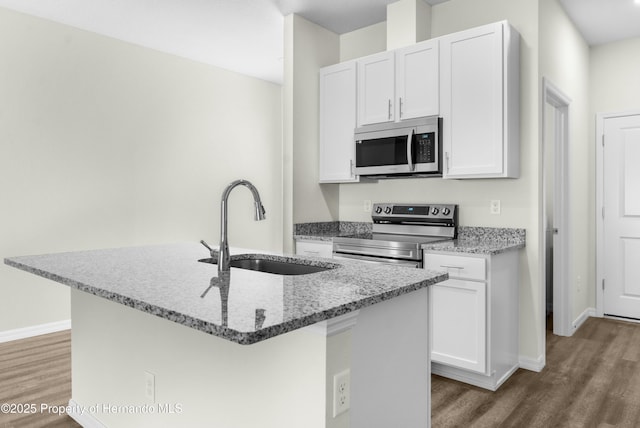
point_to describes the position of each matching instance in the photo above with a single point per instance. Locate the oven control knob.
(378, 210)
(446, 211)
(435, 211)
(387, 210)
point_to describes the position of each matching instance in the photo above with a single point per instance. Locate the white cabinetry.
(314, 248)
(459, 313)
(337, 122)
(400, 84)
(376, 89)
(474, 317)
(417, 80)
(470, 79)
(479, 102)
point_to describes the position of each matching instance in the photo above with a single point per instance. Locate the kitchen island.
(159, 340)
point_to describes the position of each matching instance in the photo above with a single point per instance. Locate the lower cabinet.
(474, 317)
(460, 337)
(314, 248)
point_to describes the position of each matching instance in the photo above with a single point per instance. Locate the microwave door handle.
(409, 150)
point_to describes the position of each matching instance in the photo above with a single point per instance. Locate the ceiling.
(604, 21)
(340, 16)
(246, 36)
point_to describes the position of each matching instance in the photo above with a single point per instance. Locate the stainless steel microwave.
(408, 148)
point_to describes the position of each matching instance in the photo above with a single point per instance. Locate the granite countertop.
(482, 240)
(168, 281)
(326, 231)
(471, 239)
(470, 246)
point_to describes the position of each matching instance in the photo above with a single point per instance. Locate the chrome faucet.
(223, 254)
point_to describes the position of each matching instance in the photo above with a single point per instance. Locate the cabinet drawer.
(314, 248)
(457, 266)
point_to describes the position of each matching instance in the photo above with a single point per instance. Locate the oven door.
(385, 152)
(378, 260)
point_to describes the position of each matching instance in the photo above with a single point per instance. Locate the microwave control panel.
(425, 148)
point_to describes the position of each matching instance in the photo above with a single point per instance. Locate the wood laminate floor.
(591, 379)
(36, 371)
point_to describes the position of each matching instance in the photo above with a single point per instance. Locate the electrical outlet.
(495, 206)
(367, 205)
(150, 387)
(341, 392)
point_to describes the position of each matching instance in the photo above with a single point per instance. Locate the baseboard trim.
(482, 381)
(589, 312)
(35, 330)
(81, 415)
(533, 364)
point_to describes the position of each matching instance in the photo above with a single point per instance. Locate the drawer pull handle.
(452, 267)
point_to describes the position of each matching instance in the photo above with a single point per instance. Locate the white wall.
(308, 47)
(614, 83)
(105, 144)
(519, 197)
(564, 60)
(364, 41)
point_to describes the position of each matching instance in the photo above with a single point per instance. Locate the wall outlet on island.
(495, 206)
(150, 387)
(341, 392)
(367, 205)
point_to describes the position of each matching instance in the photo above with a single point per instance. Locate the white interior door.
(555, 214)
(621, 229)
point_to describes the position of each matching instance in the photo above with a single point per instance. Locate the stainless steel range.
(399, 231)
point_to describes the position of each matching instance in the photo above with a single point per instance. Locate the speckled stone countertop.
(471, 239)
(482, 240)
(168, 281)
(326, 231)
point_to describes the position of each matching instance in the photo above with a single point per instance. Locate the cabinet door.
(337, 121)
(417, 80)
(376, 89)
(471, 97)
(458, 318)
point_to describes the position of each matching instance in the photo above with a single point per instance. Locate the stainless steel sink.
(276, 264)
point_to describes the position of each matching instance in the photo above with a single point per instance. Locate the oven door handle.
(410, 150)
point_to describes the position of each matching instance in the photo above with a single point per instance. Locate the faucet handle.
(211, 251)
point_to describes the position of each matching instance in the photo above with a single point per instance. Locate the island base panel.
(200, 380)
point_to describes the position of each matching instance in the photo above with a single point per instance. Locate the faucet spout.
(260, 214)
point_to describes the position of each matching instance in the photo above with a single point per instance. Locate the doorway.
(554, 218)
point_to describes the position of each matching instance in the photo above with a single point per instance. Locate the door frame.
(600, 119)
(562, 295)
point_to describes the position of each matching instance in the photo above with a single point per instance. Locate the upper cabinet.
(471, 79)
(398, 85)
(417, 80)
(479, 102)
(376, 89)
(337, 122)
